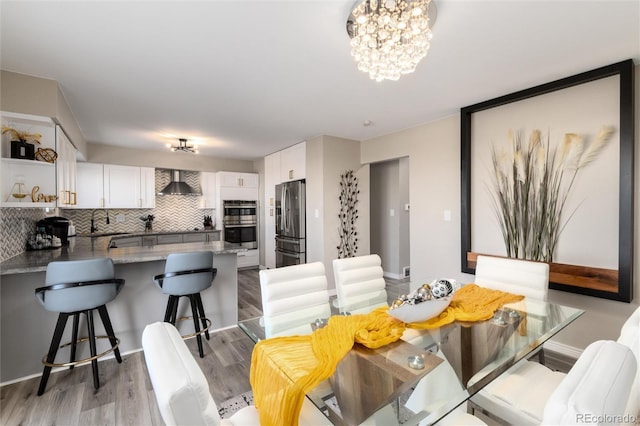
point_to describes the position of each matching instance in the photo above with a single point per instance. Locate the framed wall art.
(547, 174)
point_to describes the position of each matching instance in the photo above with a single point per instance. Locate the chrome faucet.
(94, 228)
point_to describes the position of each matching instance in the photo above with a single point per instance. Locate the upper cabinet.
(237, 180)
(112, 186)
(89, 189)
(65, 170)
(26, 181)
(237, 186)
(208, 183)
(293, 162)
(129, 187)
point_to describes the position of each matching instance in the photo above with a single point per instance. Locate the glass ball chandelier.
(390, 37)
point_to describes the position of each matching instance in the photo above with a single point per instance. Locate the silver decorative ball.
(439, 290)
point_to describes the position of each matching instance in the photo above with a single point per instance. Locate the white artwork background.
(591, 235)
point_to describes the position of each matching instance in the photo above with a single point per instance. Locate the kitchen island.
(26, 327)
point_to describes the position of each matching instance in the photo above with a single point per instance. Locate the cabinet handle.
(75, 198)
(101, 202)
(290, 174)
(67, 198)
(270, 212)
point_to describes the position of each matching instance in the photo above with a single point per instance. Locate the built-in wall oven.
(240, 222)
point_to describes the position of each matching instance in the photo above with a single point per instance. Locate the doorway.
(390, 212)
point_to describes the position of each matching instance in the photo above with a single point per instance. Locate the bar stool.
(74, 288)
(187, 274)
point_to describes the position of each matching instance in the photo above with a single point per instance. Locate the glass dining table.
(430, 372)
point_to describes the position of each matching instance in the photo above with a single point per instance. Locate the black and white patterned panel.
(16, 224)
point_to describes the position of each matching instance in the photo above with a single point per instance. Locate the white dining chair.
(359, 283)
(524, 277)
(528, 278)
(630, 337)
(181, 388)
(531, 394)
(293, 297)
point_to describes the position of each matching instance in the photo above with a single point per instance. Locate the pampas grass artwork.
(530, 187)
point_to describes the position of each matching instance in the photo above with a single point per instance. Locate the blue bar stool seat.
(187, 274)
(74, 288)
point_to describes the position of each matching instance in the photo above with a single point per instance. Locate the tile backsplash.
(15, 226)
(172, 213)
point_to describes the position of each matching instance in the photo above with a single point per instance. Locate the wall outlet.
(406, 271)
(447, 215)
(120, 218)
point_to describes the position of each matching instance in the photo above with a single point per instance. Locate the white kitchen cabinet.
(28, 173)
(208, 184)
(271, 179)
(293, 163)
(147, 187)
(236, 186)
(128, 187)
(65, 170)
(249, 258)
(89, 188)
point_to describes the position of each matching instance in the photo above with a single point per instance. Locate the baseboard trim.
(393, 276)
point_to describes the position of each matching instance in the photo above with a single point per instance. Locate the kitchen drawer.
(248, 258)
(194, 238)
(213, 236)
(126, 242)
(170, 239)
(149, 240)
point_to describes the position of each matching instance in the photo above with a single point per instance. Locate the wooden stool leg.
(74, 339)
(104, 316)
(92, 347)
(194, 312)
(202, 315)
(53, 349)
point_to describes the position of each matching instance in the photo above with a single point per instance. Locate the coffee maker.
(56, 226)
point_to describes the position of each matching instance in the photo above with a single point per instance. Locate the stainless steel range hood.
(177, 186)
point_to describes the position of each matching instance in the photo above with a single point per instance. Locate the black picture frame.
(625, 71)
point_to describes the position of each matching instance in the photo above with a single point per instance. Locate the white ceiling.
(252, 77)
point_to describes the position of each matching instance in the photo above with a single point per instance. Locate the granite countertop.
(95, 247)
(144, 233)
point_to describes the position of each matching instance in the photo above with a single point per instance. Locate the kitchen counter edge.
(96, 247)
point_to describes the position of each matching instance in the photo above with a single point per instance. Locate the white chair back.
(359, 280)
(531, 279)
(293, 297)
(596, 387)
(630, 337)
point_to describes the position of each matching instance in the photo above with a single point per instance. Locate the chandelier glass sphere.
(390, 37)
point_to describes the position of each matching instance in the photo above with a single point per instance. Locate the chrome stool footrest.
(81, 361)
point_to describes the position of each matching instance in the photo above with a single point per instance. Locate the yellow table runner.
(285, 369)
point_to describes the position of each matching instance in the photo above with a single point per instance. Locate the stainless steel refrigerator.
(291, 223)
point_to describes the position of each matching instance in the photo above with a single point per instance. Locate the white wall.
(434, 155)
(404, 247)
(328, 157)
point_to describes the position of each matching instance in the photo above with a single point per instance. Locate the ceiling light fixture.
(390, 37)
(184, 147)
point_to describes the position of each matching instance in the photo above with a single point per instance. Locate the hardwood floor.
(126, 396)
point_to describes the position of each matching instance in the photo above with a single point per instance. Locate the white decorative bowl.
(422, 311)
